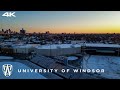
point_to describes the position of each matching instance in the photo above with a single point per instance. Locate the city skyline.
(63, 21)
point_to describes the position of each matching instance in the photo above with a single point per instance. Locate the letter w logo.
(7, 69)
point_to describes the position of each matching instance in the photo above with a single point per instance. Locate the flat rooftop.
(110, 64)
(56, 46)
(17, 75)
(102, 45)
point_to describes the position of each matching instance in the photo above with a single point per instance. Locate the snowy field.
(16, 75)
(110, 64)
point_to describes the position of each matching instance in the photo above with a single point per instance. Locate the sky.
(63, 21)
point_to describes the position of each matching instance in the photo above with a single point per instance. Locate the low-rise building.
(57, 49)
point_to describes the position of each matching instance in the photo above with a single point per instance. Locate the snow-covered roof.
(55, 46)
(111, 65)
(20, 75)
(102, 45)
(22, 46)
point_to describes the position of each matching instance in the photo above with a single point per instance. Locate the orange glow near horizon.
(77, 30)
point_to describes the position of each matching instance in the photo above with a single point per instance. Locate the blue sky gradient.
(63, 21)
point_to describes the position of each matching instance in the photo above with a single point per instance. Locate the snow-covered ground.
(110, 64)
(72, 58)
(16, 75)
(5, 57)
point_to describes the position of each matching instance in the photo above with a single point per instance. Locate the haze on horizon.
(63, 21)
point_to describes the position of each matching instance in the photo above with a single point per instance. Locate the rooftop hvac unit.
(72, 46)
(58, 47)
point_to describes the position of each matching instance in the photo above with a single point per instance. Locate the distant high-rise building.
(6, 31)
(22, 31)
(9, 31)
(2, 30)
(47, 32)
